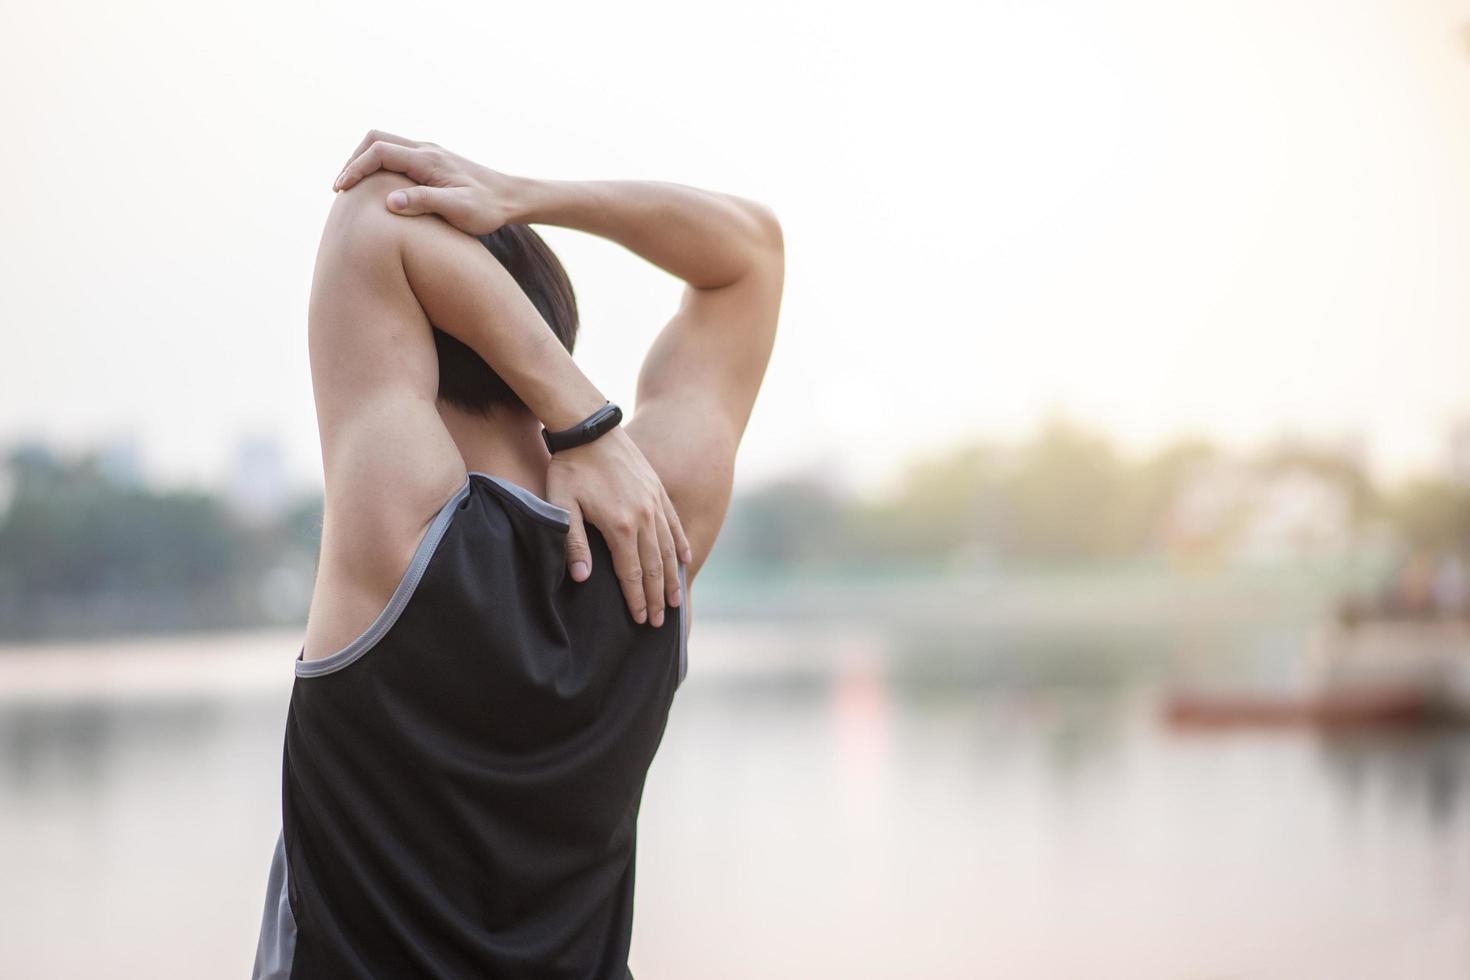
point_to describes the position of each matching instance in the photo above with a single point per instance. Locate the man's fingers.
(670, 560)
(417, 163)
(579, 556)
(629, 568)
(376, 136)
(382, 155)
(653, 573)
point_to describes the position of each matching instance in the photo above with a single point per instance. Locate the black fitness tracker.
(599, 423)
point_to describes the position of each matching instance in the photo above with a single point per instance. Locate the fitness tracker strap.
(599, 423)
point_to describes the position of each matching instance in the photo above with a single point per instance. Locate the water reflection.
(828, 802)
(78, 747)
(1426, 774)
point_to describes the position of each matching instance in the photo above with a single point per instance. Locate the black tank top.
(461, 784)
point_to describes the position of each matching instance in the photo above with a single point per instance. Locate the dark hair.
(465, 380)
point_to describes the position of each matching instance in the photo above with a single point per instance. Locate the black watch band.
(599, 423)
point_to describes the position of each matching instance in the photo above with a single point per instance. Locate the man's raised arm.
(700, 377)
(699, 381)
(367, 386)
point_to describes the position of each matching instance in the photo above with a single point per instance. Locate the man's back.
(461, 784)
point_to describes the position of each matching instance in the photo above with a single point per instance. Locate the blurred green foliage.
(1068, 496)
(83, 551)
(1429, 513)
(69, 529)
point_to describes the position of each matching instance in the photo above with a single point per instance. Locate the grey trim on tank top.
(548, 510)
(277, 945)
(396, 603)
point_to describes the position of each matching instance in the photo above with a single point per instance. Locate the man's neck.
(506, 444)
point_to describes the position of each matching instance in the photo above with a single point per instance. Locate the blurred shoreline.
(1058, 528)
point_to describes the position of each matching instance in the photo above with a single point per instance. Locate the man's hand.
(609, 483)
(472, 198)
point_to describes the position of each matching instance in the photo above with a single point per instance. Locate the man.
(501, 613)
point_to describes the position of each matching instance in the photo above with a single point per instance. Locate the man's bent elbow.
(767, 227)
(360, 214)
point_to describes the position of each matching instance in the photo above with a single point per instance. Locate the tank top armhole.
(397, 602)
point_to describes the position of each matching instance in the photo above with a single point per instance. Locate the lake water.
(826, 803)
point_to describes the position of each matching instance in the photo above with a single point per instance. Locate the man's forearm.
(470, 295)
(709, 240)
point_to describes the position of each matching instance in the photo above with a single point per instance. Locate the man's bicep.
(695, 394)
(714, 350)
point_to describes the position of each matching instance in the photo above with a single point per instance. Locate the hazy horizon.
(1234, 222)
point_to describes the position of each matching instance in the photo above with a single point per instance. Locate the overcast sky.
(1160, 217)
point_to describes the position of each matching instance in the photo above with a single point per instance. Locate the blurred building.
(120, 461)
(1293, 516)
(258, 490)
(1235, 512)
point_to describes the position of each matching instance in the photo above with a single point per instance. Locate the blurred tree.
(786, 523)
(69, 529)
(1433, 515)
(945, 506)
(1068, 498)
(82, 551)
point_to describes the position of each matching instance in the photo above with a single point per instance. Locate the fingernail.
(675, 597)
(579, 570)
(688, 553)
(640, 616)
(337, 184)
(398, 199)
(658, 618)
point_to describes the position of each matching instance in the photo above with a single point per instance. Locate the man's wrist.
(607, 418)
(523, 197)
(550, 202)
(559, 394)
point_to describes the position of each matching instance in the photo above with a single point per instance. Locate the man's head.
(465, 380)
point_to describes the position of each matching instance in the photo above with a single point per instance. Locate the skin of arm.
(388, 460)
(699, 380)
(608, 481)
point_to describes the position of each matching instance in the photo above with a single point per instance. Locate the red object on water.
(1338, 709)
